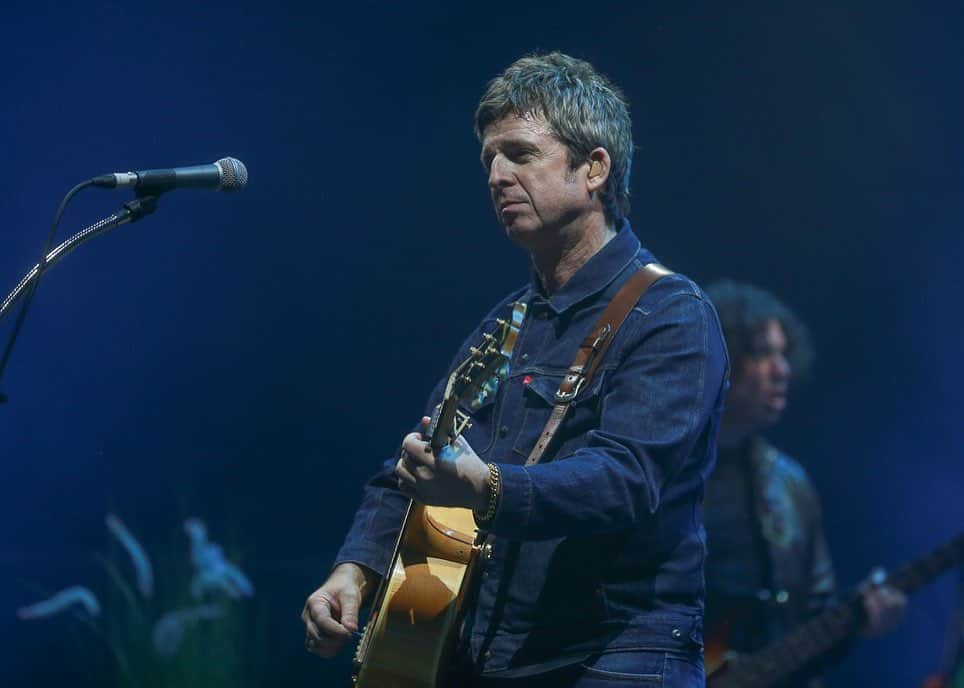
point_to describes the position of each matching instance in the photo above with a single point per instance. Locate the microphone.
(227, 174)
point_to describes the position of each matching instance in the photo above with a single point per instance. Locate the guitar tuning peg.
(474, 352)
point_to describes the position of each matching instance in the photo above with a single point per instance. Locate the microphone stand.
(132, 211)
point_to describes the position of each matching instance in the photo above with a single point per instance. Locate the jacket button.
(503, 431)
(524, 357)
(782, 597)
(677, 633)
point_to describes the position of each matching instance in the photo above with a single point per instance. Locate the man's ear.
(598, 173)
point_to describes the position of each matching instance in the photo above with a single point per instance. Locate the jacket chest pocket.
(539, 398)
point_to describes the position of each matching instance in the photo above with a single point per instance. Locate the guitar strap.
(592, 349)
(580, 373)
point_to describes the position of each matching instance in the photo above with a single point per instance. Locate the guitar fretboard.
(821, 634)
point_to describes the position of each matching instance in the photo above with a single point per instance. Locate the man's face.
(534, 190)
(758, 394)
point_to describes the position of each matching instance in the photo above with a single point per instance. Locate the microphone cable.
(28, 297)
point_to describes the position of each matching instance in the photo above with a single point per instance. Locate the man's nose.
(781, 367)
(499, 175)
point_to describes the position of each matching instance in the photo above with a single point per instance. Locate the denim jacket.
(601, 545)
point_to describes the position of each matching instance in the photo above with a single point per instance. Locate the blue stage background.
(250, 359)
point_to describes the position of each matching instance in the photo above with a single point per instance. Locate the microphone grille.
(234, 175)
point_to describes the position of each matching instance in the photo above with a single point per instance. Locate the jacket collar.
(597, 273)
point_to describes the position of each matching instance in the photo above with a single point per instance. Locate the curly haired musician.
(769, 567)
(595, 574)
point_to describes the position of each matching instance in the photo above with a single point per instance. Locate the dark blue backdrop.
(250, 359)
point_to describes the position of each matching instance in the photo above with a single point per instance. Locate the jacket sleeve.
(371, 538)
(655, 406)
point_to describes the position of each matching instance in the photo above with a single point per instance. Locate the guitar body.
(716, 651)
(410, 635)
(416, 615)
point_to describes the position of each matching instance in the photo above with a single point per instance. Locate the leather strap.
(592, 349)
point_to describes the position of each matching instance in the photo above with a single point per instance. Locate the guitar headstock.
(474, 380)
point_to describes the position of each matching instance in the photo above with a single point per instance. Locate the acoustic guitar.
(415, 616)
(820, 635)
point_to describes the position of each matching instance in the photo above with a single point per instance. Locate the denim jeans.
(615, 669)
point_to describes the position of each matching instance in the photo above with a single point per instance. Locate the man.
(595, 576)
(768, 567)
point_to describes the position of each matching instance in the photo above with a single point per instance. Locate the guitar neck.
(794, 651)
(826, 631)
(922, 571)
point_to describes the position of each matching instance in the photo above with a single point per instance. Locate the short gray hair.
(582, 107)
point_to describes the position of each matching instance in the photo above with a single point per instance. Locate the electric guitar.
(821, 634)
(415, 616)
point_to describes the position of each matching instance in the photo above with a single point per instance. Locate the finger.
(311, 629)
(319, 643)
(892, 604)
(881, 614)
(411, 464)
(331, 630)
(893, 594)
(322, 609)
(415, 447)
(405, 476)
(349, 611)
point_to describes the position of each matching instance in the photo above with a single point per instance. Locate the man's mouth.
(778, 400)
